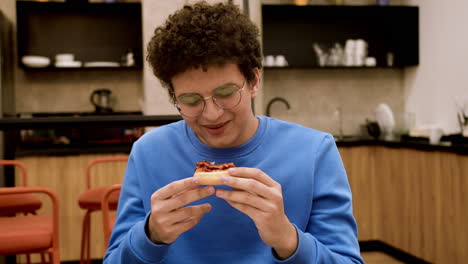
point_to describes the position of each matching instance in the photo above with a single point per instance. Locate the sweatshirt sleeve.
(331, 234)
(129, 242)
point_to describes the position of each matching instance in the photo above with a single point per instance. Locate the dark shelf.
(90, 31)
(53, 68)
(14, 123)
(327, 67)
(292, 30)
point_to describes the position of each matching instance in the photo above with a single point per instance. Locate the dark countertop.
(87, 121)
(108, 120)
(139, 120)
(458, 147)
(59, 150)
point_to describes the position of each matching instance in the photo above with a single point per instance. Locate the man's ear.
(256, 84)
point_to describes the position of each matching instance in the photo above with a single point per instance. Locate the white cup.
(280, 61)
(64, 57)
(348, 60)
(269, 61)
(359, 61)
(435, 135)
(361, 45)
(371, 62)
(350, 46)
(390, 59)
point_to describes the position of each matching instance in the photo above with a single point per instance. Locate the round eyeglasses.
(226, 97)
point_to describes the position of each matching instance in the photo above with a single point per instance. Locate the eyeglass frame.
(176, 104)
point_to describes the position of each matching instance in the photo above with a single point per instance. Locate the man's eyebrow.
(222, 85)
(226, 84)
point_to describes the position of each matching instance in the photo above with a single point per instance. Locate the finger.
(184, 226)
(175, 187)
(188, 212)
(246, 209)
(186, 190)
(244, 198)
(188, 197)
(249, 185)
(253, 173)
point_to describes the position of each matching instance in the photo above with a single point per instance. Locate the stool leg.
(28, 259)
(54, 257)
(88, 250)
(85, 238)
(43, 260)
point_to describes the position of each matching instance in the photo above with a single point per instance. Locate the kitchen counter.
(128, 120)
(75, 122)
(51, 149)
(460, 147)
(80, 120)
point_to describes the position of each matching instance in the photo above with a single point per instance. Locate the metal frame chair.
(26, 203)
(19, 203)
(29, 234)
(108, 220)
(90, 200)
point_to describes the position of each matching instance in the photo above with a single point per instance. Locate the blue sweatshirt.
(306, 162)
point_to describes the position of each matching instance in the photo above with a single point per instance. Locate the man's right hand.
(170, 217)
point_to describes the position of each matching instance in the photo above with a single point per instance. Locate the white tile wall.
(315, 94)
(69, 90)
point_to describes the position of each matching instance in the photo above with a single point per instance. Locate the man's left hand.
(260, 197)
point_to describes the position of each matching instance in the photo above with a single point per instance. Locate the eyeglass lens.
(227, 96)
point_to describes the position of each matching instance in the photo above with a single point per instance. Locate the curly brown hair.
(200, 35)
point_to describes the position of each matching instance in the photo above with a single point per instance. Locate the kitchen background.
(428, 90)
(409, 195)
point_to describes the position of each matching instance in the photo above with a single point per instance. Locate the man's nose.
(212, 111)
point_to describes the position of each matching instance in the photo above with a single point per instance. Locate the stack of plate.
(92, 64)
(66, 60)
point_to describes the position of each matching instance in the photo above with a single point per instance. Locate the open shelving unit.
(292, 30)
(90, 31)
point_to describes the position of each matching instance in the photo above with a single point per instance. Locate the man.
(288, 199)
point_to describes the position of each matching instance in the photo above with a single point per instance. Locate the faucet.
(274, 100)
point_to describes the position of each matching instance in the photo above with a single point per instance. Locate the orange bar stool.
(19, 203)
(29, 234)
(24, 203)
(90, 200)
(108, 219)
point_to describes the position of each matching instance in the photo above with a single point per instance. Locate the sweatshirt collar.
(241, 150)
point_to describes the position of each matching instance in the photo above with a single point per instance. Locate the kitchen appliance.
(384, 116)
(373, 129)
(101, 100)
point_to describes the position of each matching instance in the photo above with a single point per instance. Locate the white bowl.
(35, 61)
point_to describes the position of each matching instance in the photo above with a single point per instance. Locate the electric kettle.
(101, 100)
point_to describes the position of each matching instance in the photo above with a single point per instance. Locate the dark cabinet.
(93, 32)
(391, 32)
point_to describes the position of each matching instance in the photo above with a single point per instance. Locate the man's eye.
(225, 91)
(190, 99)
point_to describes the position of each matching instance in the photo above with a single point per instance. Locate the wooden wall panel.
(419, 199)
(359, 164)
